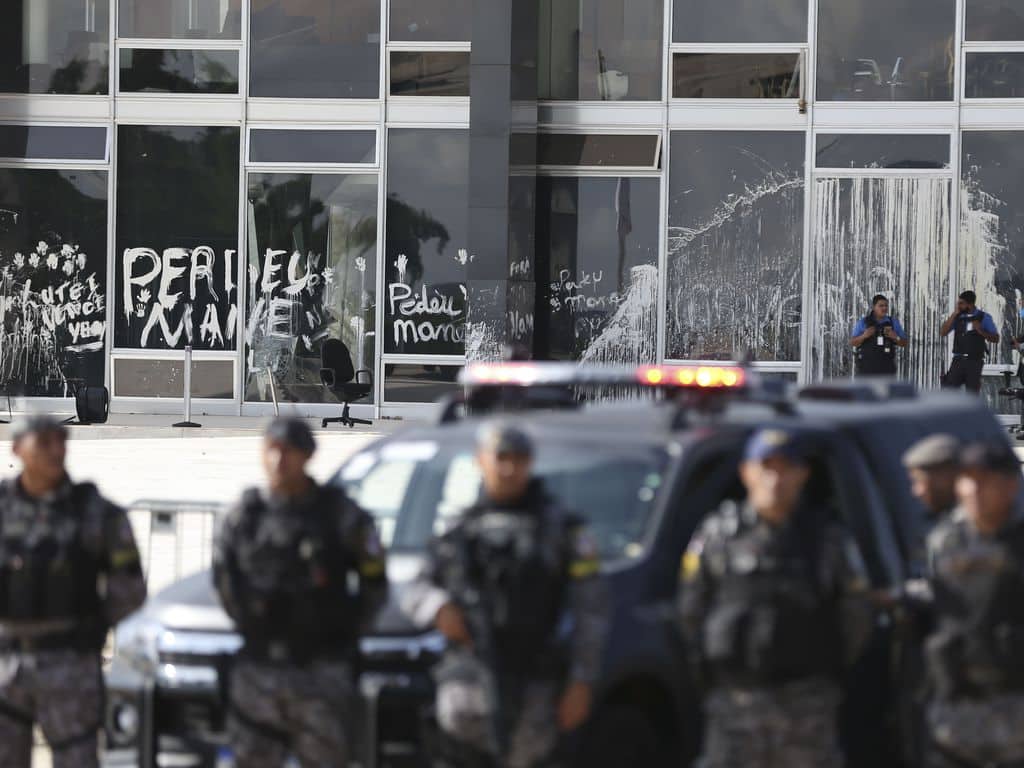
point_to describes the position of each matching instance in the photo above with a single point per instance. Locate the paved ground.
(146, 461)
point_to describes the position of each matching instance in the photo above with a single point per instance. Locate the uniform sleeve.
(858, 328)
(225, 565)
(851, 587)
(696, 588)
(988, 324)
(125, 583)
(423, 598)
(372, 563)
(898, 328)
(588, 603)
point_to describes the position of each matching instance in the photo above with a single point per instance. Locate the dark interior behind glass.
(55, 46)
(312, 256)
(177, 233)
(325, 49)
(53, 234)
(426, 241)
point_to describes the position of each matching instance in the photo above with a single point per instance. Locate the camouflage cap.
(293, 432)
(933, 451)
(36, 424)
(500, 437)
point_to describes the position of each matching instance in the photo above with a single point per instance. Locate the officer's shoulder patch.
(585, 554)
(689, 566)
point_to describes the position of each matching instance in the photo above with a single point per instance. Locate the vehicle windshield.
(415, 488)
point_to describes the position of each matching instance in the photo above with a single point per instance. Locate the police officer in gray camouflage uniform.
(499, 585)
(932, 466)
(774, 606)
(69, 570)
(975, 654)
(302, 573)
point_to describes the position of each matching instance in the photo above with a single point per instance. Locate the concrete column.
(502, 171)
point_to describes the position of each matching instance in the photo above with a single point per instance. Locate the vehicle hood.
(192, 604)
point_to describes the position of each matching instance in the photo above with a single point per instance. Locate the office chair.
(339, 376)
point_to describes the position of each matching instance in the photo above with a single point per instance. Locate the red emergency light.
(525, 374)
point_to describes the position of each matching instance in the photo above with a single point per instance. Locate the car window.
(461, 489)
(414, 497)
(381, 493)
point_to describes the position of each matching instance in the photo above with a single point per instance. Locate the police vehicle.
(643, 472)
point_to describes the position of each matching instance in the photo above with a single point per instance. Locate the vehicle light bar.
(527, 374)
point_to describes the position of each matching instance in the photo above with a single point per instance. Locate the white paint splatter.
(984, 253)
(888, 236)
(734, 278)
(630, 334)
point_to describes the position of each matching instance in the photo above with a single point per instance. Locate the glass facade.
(176, 273)
(702, 180)
(55, 46)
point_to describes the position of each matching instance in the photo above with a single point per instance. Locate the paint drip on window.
(884, 235)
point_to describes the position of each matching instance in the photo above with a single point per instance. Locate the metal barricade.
(175, 538)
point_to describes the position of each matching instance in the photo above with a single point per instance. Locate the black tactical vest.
(769, 622)
(968, 343)
(978, 583)
(296, 581)
(874, 359)
(510, 578)
(46, 571)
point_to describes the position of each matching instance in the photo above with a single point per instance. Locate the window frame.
(318, 166)
(975, 47)
(800, 49)
(56, 162)
(432, 47)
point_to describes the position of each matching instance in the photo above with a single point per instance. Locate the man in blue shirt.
(973, 330)
(875, 337)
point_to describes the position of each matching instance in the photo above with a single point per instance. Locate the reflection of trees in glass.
(53, 235)
(330, 222)
(597, 265)
(407, 229)
(179, 71)
(55, 46)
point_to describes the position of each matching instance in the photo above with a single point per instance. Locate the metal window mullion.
(665, 186)
(55, 165)
(177, 44)
(959, 94)
(429, 47)
(734, 48)
(807, 298)
(381, 272)
(414, 359)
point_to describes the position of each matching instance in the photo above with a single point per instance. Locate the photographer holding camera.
(875, 337)
(973, 329)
